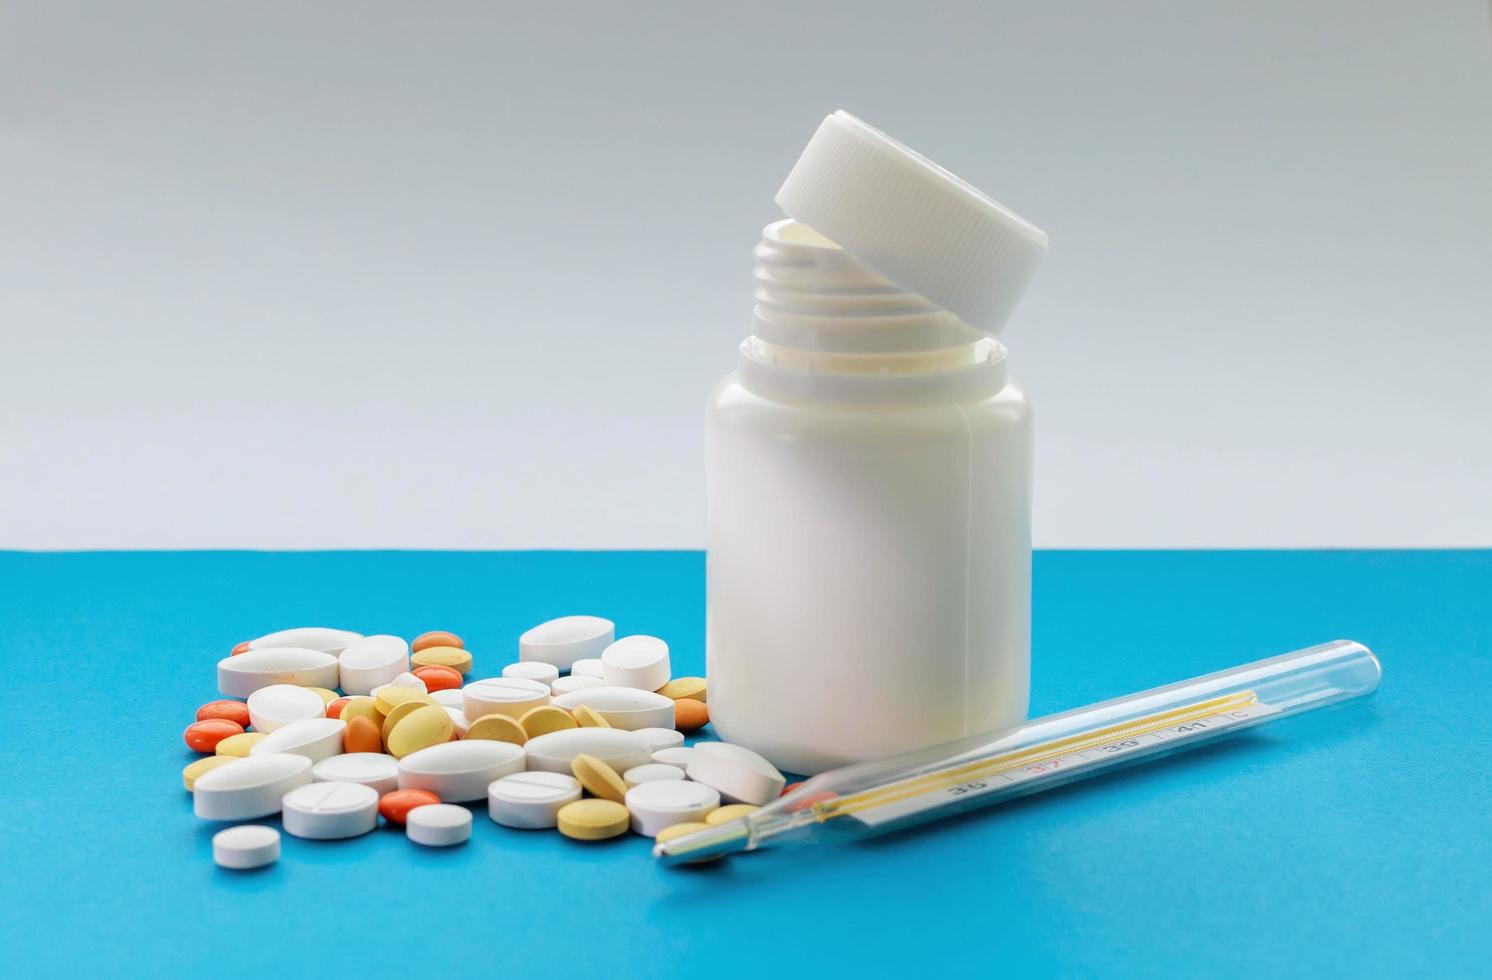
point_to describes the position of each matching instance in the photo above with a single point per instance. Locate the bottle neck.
(825, 324)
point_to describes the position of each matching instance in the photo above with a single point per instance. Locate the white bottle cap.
(912, 222)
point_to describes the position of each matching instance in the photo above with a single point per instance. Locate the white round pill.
(320, 638)
(410, 681)
(241, 676)
(330, 811)
(590, 667)
(278, 705)
(677, 755)
(563, 641)
(246, 846)
(438, 824)
(531, 800)
(511, 696)
(574, 682)
(554, 751)
(459, 772)
(249, 787)
(651, 772)
(450, 697)
(738, 773)
(458, 719)
(658, 805)
(372, 662)
(314, 738)
(636, 661)
(662, 738)
(532, 670)
(372, 769)
(627, 708)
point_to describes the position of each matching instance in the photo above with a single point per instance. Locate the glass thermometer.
(878, 797)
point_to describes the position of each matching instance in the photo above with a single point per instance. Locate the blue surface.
(1353, 841)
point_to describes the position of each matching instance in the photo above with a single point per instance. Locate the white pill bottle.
(869, 468)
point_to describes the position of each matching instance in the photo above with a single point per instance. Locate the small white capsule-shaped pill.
(241, 676)
(330, 811)
(246, 846)
(677, 755)
(459, 772)
(314, 738)
(322, 638)
(662, 738)
(738, 773)
(372, 769)
(628, 708)
(554, 751)
(533, 670)
(590, 667)
(636, 661)
(651, 772)
(248, 788)
(438, 825)
(531, 800)
(563, 641)
(372, 662)
(573, 682)
(511, 696)
(657, 805)
(278, 705)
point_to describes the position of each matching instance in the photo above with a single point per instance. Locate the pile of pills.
(334, 731)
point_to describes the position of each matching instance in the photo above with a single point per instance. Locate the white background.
(461, 275)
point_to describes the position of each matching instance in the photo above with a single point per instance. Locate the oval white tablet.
(533, 670)
(240, 676)
(314, 738)
(410, 681)
(459, 772)
(375, 770)
(438, 825)
(321, 638)
(249, 787)
(662, 738)
(330, 811)
(678, 755)
(623, 707)
(510, 696)
(574, 682)
(278, 705)
(247, 846)
(636, 661)
(652, 772)
(553, 752)
(588, 668)
(371, 662)
(458, 720)
(738, 773)
(658, 805)
(563, 641)
(450, 697)
(531, 800)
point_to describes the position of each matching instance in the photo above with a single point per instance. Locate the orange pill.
(439, 678)
(241, 648)
(235, 711)
(435, 638)
(689, 714)
(334, 710)
(395, 806)
(362, 735)
(204, 736)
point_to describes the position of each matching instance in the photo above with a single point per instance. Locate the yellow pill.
(680, 830)
(598, 778)
(544, 719)
(391, 696)
(497, 728)
(593, 819)
(587, 717)
(327, 697)
(237, 746)
(362, 706)
(730, 812)
(401, 711)
(426, 725)
(205, 764)
(684, 687)
(442, 657)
